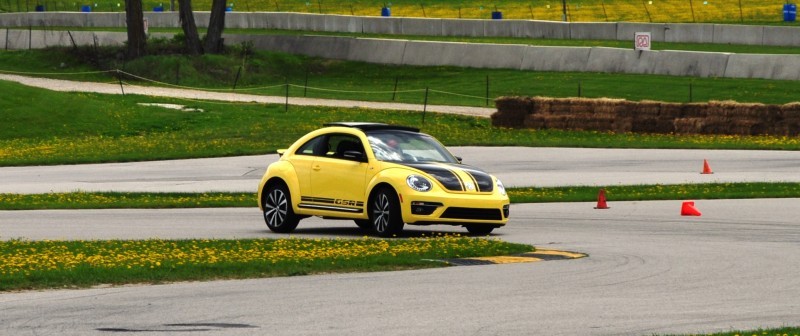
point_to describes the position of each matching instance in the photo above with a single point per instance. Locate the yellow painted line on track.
(506, 259)
(538, 255)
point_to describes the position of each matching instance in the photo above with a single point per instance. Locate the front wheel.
(384, 213)
(479, 230)
(278, 212)
(364, 224)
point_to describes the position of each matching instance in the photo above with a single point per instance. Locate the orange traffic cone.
(601, 200)
(706, 168)
(688, 209)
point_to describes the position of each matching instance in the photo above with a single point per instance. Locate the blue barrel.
(229, 9)
(40, 8)
(158, 8)
(86, 8)
(386, 11)
(789, 12)
(497, 15)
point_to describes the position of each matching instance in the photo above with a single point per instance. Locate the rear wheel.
(384, 213)
(278, 212)
(479, 230)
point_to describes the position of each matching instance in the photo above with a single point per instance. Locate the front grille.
(473, 213)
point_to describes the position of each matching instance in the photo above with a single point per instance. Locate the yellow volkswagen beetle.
(382, 177)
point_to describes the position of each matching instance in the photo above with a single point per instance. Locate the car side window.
(338, 144)
(313, 147)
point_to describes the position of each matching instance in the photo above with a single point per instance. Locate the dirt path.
(73, 86)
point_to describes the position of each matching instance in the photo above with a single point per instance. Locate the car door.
(303, 160)
(338, 182)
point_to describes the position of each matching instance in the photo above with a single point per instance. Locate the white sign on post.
(641, 41)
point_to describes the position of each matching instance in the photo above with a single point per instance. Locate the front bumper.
(455, 209)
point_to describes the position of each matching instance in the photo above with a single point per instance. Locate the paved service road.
(515, 166)
(649, 270)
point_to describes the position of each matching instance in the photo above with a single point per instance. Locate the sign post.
(641, 41)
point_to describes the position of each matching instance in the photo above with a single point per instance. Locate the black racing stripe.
(445, 176)
(483, 179)
(316, 199)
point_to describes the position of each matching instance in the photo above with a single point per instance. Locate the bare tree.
(216, 24)
(186, 15)
(137, 40)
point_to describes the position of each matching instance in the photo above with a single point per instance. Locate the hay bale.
(535, 122)
(511, 111)
(623, 125)
(688, 125)
(694, 110)
(596, 124)
(743, 127)
(647, 109)
(670, 111)
(644, 125)
(717, 125)
(626, 109)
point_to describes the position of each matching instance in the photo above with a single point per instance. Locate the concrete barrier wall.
(690, 63)
(548, 29)
(593, 31)
(764, 66)
(670, 32)
(689, 33)
(736, 34)
(595, 59)
(538, 58)
(460, 27)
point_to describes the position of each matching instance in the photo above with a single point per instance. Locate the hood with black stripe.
(457, 177)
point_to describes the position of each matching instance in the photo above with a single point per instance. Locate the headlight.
(501, 188)
(418, 183)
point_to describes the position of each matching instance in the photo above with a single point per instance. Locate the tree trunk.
(137, 40)
(186, 15)
(216, 24)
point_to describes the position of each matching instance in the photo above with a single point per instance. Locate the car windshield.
(407, 147)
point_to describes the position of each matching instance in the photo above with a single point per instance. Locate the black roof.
(371, 126)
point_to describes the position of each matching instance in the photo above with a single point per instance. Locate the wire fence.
(477, 93)
(741, 11)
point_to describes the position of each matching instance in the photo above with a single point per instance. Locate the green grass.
(783, 331)
(72, 128)
(59, 264)
(119, 200)
(116, 129)
(657, 192)
(265, 73)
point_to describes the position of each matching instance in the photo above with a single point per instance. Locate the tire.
(278, 212)
(364, 223)
(479, 230)
(384, 213)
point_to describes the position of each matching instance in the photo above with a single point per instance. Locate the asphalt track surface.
(515, 166)
(649, 269)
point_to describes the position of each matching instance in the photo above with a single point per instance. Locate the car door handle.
(316, 167)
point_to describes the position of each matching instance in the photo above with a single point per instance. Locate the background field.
(587, 10)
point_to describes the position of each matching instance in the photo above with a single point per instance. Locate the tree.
(186, 15)
(137, 40)
(216, 24)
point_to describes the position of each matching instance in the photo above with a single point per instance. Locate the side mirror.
(459, 159)
(354, 155)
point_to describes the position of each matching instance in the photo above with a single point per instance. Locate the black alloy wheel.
(278, 212)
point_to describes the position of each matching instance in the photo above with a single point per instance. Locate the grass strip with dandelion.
(56, 264)
(122, 200)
